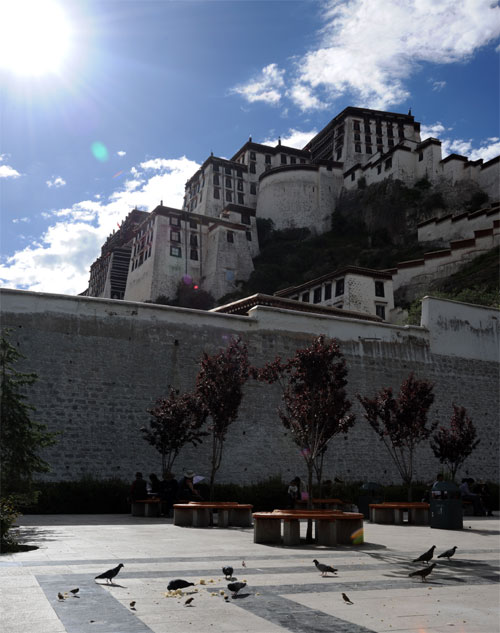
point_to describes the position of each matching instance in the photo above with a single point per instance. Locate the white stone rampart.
(441, 264)
(299, 196)
(462, 329)
(102, 364)
(457, 227)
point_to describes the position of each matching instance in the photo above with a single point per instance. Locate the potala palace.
(211, 241)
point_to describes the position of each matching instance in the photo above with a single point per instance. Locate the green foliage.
(478, 200)
(8, 515)
(265, 229)
(84, 496)
(21, 438)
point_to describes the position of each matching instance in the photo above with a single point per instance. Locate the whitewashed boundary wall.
(102, 363)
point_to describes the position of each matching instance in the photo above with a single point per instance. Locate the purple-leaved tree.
(315, 406)
(219, 387)
(401, 423)
(176, 422)
(452, 446)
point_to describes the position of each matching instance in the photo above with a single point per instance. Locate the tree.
(219, 386)
(21, 438)
(452, 446)
(176, 422)
(316, 408)
(401, 423)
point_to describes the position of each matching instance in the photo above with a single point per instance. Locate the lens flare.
(99, 151)
(358, 537)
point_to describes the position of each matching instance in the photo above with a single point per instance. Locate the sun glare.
(34, 36)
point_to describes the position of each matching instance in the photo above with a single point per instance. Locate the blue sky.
(111, 104)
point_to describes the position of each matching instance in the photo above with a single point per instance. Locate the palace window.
(248, 235)
(339, 287)
(353, 176)
(380, 311)
(252, 168)
(229, 196)
(193, 240)
(175, 221)
(193, 254)
(175, 251)
(253, 188)
(391, 142)
(357, 137)
(379, 289)
(293, 160)
(229, 183)
(357, 148)
(245, 218)
(317, 295)
(217, 193)
(193, 224)
(388, 163)
(302, 161)
(252, 156)
(328, 291)
(283, 159)
(240, 185)
(230, 237)
(228, 171)
(305, 296)
(357, 125)
(368, 139)
(241, 199)
(268, 159)
(216, 179)
(420, 156)
(379, 169)
(216, 166)
(175, 236)
(368, 149)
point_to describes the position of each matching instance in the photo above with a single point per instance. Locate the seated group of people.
(478, 494)
(168, 489)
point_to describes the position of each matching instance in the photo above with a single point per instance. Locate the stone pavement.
(284, 593)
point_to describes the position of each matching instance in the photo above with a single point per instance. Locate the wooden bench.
(198, 514)
(146, 507)
(332, 526)
(393, 512)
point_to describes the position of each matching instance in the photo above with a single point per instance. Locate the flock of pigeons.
(235, 586)
(427, 557)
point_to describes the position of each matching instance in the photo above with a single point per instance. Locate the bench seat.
(198, 514)
(392, 512)
(146, 507)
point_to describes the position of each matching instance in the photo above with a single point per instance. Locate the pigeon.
(347, 599)
(426, 557)
(74, 591)
(110, 574)
(235, 587)
(179, 584)
(60, 596)
(449, 553)
(423, 573)
(132, 605)
(227, 571)
(189, 600)
(243, 564)
(324, 569)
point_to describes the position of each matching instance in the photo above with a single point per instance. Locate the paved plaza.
(284, 592)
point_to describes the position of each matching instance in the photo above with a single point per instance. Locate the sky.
(107, 105)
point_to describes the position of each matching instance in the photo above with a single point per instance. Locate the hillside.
(373, 227)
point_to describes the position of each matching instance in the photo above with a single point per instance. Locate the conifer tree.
(21, 438)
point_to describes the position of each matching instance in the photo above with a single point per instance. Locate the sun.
(34, 36)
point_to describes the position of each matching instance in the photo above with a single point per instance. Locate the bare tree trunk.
(309, 538)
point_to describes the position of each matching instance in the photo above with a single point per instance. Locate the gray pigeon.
(423, 573)
(234, 587)
(324, 569)
(425, 558)
(179, 584)
(110, 574)
(449, 553)
(228, 571)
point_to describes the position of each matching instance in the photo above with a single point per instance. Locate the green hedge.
(110, 496)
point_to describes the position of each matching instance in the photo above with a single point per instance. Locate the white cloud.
(8, 172)
(17, 220)
(293, 138)
(121, 153)
(60, 259)
(368, 50)
(488, 149)
(437, 86)
(56, 182)
(266, 87)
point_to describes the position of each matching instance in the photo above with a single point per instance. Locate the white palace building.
(212, 240)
